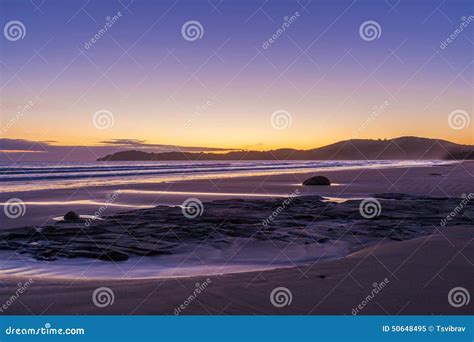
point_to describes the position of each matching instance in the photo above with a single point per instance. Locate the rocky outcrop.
(305, 220)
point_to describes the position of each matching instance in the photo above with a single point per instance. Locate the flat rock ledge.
(305, 220)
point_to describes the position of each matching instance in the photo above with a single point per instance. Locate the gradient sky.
(221, 90)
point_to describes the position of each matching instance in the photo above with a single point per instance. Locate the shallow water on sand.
(38, 176)
(242, 256)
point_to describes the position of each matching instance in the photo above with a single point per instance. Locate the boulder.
(71, 216)
(317, 180)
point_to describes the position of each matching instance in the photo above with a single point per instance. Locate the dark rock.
(71, 216)
(111, 255)
(317, 180)
(46, 254)
(164, 230)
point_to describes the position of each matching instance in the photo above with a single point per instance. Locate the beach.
(303, 170)
(319, 252)
(46, 200)
(420, 274)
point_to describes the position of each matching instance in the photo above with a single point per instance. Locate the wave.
(14, 176)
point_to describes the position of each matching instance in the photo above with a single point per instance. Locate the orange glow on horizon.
(226, 147)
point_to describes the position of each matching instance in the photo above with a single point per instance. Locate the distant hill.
(413, 148)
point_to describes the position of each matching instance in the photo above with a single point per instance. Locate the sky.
(145, 82)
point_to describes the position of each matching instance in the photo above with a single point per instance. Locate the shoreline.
(445, 255)
(341, 285)
(235, 174)
(346, 184)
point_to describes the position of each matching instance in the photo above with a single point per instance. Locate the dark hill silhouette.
(354, 149)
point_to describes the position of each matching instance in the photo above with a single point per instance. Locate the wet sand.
(449, 180)
(420, 272)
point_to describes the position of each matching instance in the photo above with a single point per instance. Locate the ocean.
(48, 175)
